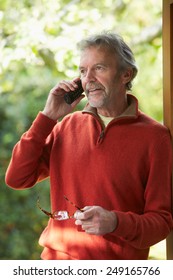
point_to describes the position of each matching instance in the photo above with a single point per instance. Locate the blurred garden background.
(37, 49)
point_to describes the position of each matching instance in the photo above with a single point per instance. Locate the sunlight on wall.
(158, 251)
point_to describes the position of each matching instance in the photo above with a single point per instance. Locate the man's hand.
(56, 107)
(96, 220)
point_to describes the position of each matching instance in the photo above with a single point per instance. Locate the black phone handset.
(71, 96)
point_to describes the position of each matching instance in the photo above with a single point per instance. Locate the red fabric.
(125, 168)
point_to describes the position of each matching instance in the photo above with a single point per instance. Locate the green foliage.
(37, 49)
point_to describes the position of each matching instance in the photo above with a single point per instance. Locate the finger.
(91, 231)
(78, 215)
(56, 90)
(89, 212)
(78, 222)
(84, 224)
(87, 208)
(67, 86)
(76, 79)
(72, 84)
(87, 228)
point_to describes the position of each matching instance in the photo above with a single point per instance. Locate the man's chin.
(96, 99)
(95, 103)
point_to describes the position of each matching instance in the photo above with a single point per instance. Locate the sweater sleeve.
(148, 228)
(30, 157)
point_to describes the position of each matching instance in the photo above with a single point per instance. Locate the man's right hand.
(56, 107)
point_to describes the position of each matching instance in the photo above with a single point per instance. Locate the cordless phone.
(71, 96)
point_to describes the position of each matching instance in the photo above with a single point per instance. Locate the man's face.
(101, 78)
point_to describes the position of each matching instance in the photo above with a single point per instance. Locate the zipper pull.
(101, 136)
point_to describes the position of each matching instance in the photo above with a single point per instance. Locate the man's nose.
(90, 76)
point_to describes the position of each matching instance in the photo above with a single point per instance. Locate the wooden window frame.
(168, 87)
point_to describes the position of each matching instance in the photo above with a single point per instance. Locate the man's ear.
(127, 75)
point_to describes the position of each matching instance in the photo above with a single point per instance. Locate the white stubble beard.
(96, 101)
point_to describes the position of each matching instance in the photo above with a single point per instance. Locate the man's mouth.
(94, 89)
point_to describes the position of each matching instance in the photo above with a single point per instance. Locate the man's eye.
(99, 67)
(82, 72)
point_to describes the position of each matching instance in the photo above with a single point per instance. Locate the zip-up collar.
(130, 112)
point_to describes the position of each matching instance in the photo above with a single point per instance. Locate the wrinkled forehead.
(97, 54)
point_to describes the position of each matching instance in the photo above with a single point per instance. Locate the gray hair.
(114, 43)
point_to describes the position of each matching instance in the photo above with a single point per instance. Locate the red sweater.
(125, 167)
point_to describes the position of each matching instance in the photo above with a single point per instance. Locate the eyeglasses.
(59, 215)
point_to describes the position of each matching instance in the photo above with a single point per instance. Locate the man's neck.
(113, 111)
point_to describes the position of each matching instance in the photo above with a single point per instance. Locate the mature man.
(111, 160)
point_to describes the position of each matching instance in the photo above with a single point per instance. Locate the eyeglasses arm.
(44, 211)
(73, 204)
